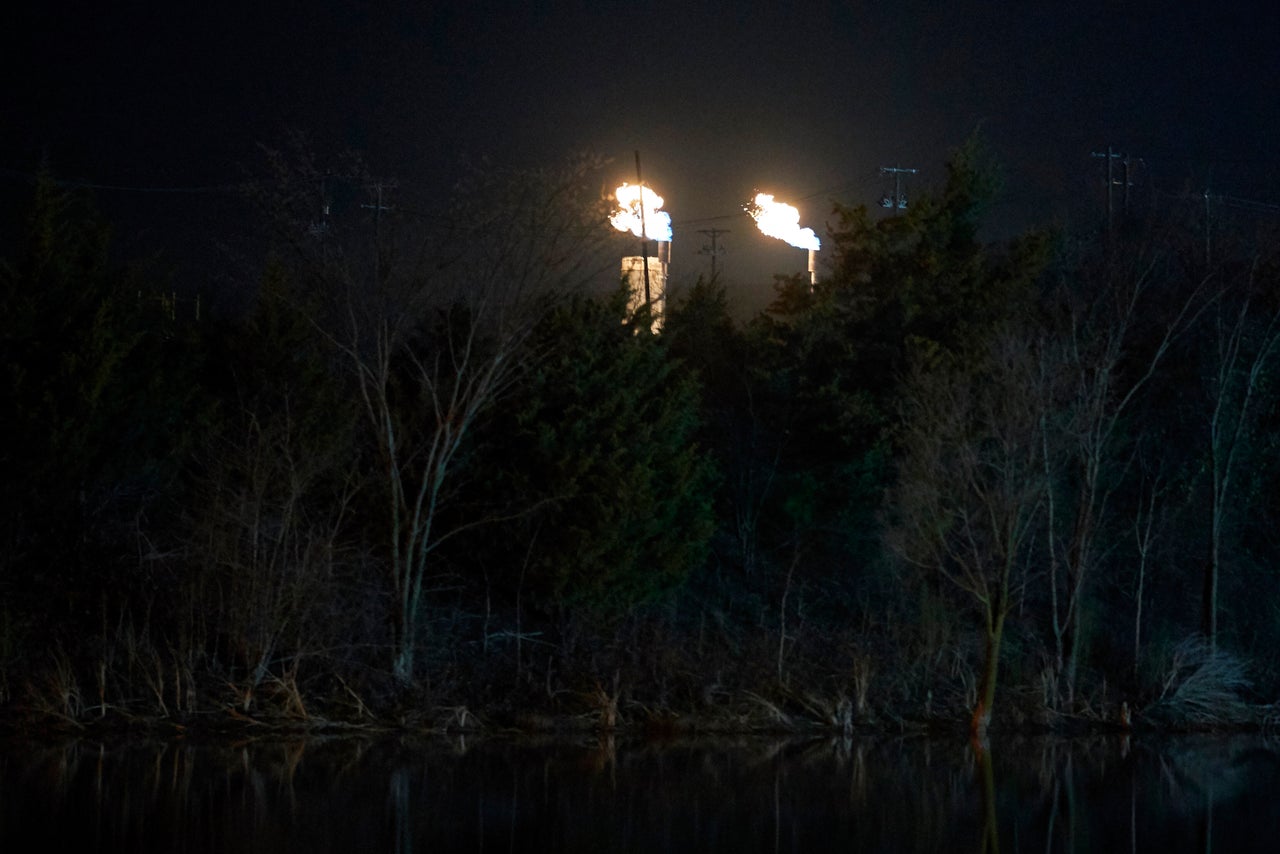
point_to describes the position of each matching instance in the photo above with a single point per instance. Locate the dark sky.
(805, 101)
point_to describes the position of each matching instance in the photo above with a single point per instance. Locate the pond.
(604, 794)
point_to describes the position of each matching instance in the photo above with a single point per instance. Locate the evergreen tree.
(596, 458)
(96, 386)
(909, 292)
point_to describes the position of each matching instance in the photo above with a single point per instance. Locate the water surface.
(604, 794)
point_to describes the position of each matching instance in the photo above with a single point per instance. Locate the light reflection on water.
(600, 794)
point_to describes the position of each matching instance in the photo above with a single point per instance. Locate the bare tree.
(1244, 341)
(269, 539)
(1149, 518)
(434, 329)
(1091, 376)
(970, 487)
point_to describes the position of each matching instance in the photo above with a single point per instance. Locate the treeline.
(435, 474)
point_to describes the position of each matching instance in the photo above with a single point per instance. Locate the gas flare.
(629, 216)
(781, 220)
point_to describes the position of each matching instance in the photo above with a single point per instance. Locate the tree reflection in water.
(607, 793)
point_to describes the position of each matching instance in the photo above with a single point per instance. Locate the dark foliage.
(382, 490)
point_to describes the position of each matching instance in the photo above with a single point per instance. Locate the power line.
(1248, 204)
(123, 188)
(720, 218)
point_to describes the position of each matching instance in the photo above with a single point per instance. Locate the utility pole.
(1208, 258)
(713, 250)
(377, 207)
(644, 235)
(320, 228)
(1111, 157)
(1128, 181)
(899, 200)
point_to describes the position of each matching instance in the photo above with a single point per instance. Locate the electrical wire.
(85, 184)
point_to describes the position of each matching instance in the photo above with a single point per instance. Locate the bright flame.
(781, 220)
(657, 224)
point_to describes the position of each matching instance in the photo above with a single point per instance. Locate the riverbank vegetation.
(432, 474)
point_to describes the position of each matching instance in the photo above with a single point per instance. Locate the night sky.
(806, 101)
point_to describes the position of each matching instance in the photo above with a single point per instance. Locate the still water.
(606, 795)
